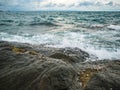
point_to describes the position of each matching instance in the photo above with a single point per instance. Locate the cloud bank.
(77, 5)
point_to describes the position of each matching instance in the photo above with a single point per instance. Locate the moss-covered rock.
(87, 74)
(18, 50)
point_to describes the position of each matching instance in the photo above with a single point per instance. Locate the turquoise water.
(98, 33)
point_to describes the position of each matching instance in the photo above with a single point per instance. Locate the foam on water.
(63, 40)
(116, 27)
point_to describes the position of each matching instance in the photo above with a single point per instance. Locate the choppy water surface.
(98, 33)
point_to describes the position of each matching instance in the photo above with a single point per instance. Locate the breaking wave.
(68, 39)
(115, 27)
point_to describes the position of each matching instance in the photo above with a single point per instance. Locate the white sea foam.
(97, 25)
(116, 27)
(62, 40)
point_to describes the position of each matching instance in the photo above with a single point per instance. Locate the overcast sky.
(77, 5)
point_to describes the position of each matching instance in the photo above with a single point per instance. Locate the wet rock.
(58, 78)
(20, 70)
(64, 57)
(71, 55)
(108, 79)
(33, 67)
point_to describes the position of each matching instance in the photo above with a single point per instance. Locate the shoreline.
(30, 67)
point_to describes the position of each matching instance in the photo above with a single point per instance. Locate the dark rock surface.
(35, 67)
(108, 79)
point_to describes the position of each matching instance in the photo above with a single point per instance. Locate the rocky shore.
(35, 67)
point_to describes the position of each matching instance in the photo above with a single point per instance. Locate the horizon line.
(61, 10)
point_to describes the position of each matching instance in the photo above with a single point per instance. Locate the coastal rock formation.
(35, 67)
(108, 79)
(26, 69)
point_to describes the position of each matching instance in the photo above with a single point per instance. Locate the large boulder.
(24, 68)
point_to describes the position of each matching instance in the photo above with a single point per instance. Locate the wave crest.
(114, 27)
(43, 23)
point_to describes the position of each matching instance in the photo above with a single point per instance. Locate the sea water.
(97, 33)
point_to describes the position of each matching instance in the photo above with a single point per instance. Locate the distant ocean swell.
(22, 23)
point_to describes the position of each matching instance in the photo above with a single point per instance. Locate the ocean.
(97, 33)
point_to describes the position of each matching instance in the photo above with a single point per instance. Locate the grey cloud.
(72, 5)
(86, 3)
(50, 5)
(110, 3)
(28, 4)
(98, 4)
(54, 5)
(61, 5)
(15, 4)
